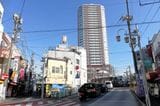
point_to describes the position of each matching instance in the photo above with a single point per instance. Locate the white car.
(109, 84)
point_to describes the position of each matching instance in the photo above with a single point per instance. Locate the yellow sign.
(1, 81)
(55, 90)
(13, 75)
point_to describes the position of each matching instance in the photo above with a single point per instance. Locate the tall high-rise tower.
(93, 37)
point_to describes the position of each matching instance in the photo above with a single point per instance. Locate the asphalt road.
(115, 97)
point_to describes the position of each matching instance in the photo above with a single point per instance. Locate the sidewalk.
(24, 100)
(154, 101)
(14, 100)
(138, 99)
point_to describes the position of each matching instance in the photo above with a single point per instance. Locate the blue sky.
(58, 15)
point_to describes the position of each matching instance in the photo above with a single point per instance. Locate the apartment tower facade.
(93, 37)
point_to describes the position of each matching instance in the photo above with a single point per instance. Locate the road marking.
(29, 104)
(70, 104)
(65, 103)
(17, 105)
(50, 102)
(40, 103)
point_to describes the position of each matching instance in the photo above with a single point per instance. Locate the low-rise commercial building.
(66, 66)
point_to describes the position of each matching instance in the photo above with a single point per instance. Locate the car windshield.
(108, 82)
(89, 86)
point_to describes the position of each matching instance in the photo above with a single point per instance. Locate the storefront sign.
(15, 64)
(4, 52)
(1, 81)
(21, 74)
(14, 76)
(5, 76)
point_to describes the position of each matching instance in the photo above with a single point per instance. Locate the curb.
(133, 93)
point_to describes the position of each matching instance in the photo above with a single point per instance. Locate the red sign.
(4, 52)
(77, 67)
(5, 75)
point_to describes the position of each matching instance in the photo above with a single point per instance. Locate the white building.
(2, 89)
(92, 36)
(77, 62)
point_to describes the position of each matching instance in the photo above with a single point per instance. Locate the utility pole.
(129, 18)
(66, 74)
(145, 85)
(130, 73)
(131, 37)
(17, 29)
(30, 73)
(43, 76)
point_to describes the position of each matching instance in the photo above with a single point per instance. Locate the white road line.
(17, 105)
(50, 102)
(29, 104)
(65, 103)
(69, 104)
(40, 103)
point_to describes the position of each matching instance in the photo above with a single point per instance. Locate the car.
(109, 84)
(103, 87)
(88, 90)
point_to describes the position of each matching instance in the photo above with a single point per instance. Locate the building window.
(53, 69)
(71, 72)
(61, 69)
(57, 69)
(77, 61)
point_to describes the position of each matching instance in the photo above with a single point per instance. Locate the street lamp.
(118, 37)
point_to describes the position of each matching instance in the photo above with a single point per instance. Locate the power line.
(147, 13)
(22, 8)
(151, 20)
(75, 29)
(21, 12)
(121, 3)
(119, 52)
(148, 3)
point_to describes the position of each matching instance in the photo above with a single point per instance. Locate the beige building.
(59, 71)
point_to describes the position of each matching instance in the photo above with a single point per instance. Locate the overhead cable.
(74, 29)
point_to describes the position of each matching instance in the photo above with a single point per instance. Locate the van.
(109, 84)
